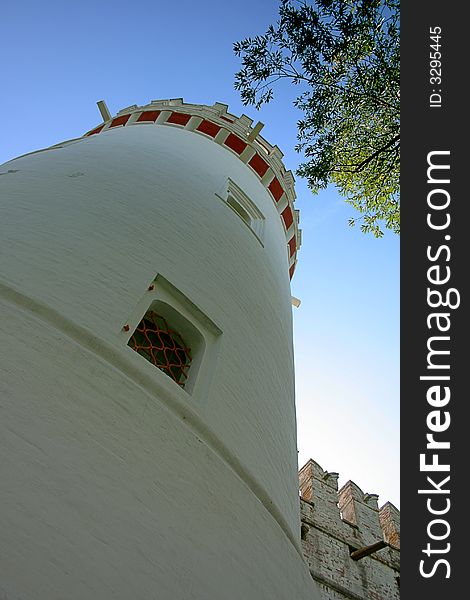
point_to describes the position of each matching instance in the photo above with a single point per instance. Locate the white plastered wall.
(107, 458)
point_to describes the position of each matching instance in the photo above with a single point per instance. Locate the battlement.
(349, 508)
(351, 545)
(235, 134)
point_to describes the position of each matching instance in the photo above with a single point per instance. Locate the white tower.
(147, 422)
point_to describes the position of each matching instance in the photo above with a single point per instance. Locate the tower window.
(174, 335)
(238, 208)
(241, 204)
(162, 346)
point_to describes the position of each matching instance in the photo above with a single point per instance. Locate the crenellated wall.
(235, 134)
(351, 545)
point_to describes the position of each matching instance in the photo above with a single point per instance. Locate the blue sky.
(59, 58)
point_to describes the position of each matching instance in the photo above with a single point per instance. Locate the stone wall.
(336, 524)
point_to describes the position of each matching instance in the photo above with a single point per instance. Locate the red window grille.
(162, 346)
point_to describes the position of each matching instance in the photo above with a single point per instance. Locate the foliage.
(344, 56)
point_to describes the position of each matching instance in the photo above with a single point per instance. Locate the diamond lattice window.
(162, 346)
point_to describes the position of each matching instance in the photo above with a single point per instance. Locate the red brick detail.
(96, 130)
(276, 189)
(291, 271)
(209, 128)
(226, 119)
(292, 245)
(259, 165)
(148, 115)
(235, 143)
(122, 120)
(178, 118)
(287, 217)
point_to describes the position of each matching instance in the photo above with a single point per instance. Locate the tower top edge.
(237, 134)
(240, 124)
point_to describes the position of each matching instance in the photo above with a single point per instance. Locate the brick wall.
(336, 523)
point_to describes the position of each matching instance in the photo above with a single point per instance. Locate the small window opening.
(242, 205)
(239, 210)
(162, 346)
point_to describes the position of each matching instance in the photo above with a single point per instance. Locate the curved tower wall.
(118, 480)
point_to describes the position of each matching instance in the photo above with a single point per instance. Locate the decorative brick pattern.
(208, 128)
(276, 189)
(287, 217)
(96, 130)
(259, 165)
(178, 118)
(292, 246)
(235, 143)
(120, 121)
(260, 159)
(148, 116)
